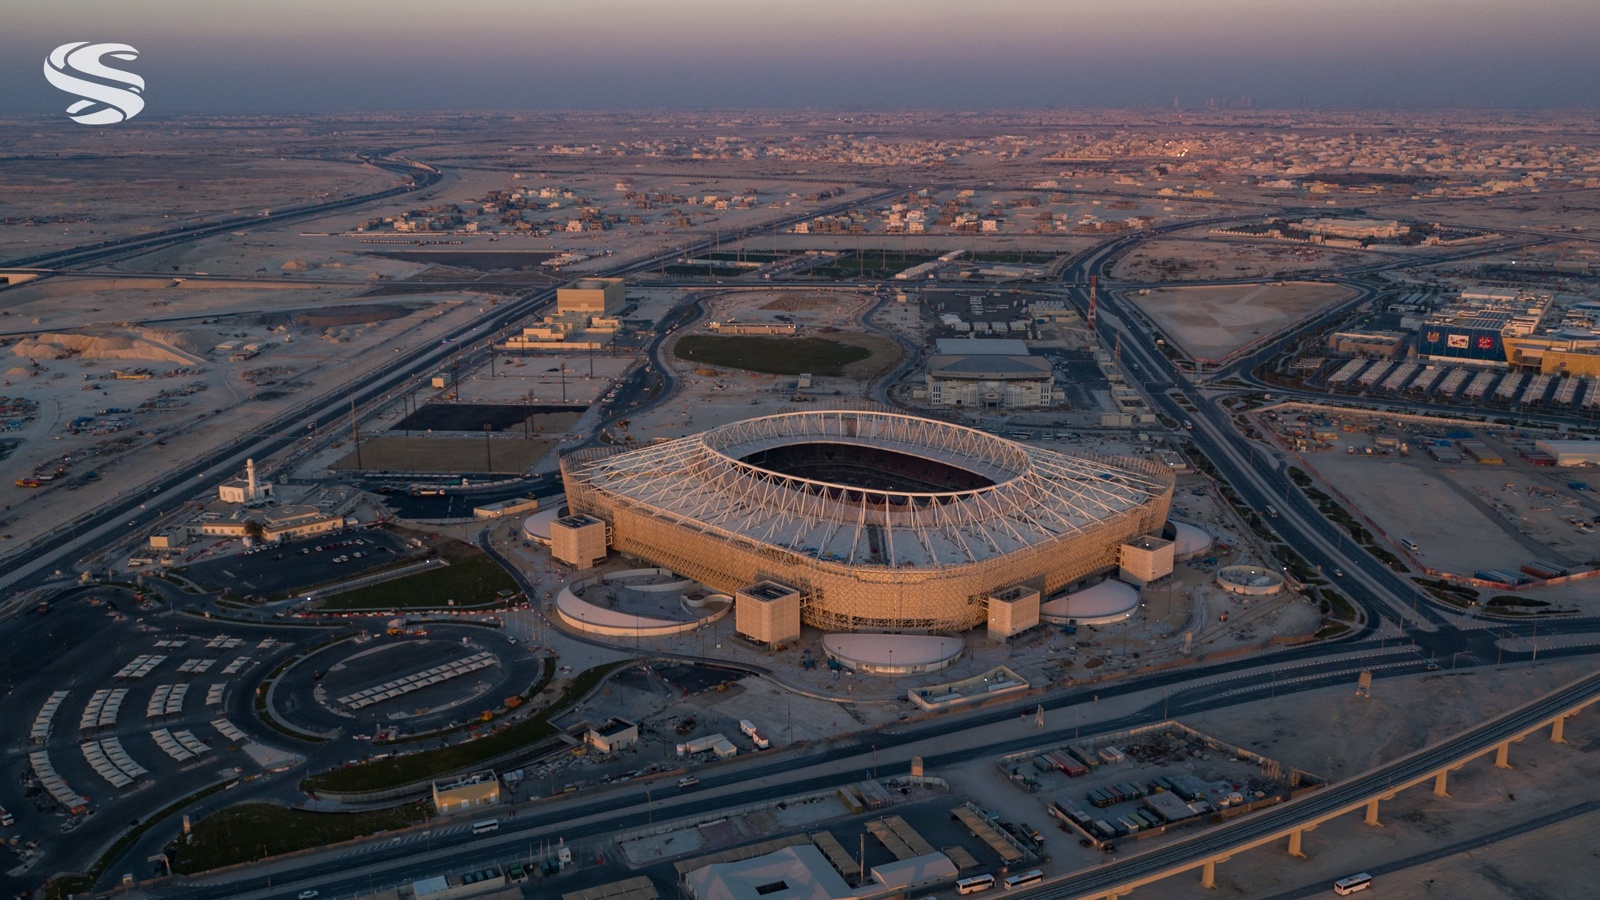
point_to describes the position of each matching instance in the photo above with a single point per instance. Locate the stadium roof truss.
(1036, 496)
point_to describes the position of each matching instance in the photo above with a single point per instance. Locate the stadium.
(856, 520)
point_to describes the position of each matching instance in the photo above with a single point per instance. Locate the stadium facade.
(879, 521)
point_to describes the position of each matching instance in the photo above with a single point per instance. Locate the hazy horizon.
(299, 56)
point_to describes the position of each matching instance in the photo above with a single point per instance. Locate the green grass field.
(471, 579)
(251, 831)
(434, 763)
(775, 355)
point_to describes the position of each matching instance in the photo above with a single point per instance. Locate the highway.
(1340, 798)
(421, 175)
(37, 560)
(1258, 476)
(942, 742)
(1378, 590)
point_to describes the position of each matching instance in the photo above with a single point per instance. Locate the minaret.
(250, 480)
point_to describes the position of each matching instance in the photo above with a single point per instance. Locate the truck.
(688, 781)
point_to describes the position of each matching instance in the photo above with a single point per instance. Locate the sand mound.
(101, 346)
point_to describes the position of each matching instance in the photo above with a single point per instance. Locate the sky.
(315, 56)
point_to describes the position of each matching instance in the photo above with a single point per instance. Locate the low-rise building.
(989, 373)
(477, 789)
(617, 734)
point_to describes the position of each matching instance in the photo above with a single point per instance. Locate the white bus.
(1023, 879)
(486, 826)
(974, 884)
(1352, 884)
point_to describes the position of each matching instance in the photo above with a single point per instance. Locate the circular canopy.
(1108, 601)
(892, 653)
(1189, 540)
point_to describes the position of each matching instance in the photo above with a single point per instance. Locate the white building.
(989, 373)
(246, 490)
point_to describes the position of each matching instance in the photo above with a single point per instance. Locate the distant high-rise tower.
(1093, 301)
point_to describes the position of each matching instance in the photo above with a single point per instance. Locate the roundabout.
(423, 680)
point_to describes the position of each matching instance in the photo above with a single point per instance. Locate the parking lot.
(124, 709)
(295, 565)
(325, 693)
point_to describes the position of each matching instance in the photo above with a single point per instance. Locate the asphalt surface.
(622, 807)
(296, 565)
(466, 344)
(1259, 479)
(1238, 463)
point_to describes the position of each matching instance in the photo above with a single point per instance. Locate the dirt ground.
(145, 187)
(1211, 322)
(445, 454)
(886, 354)
(1488, 840)
(1467, 518)
(1194, 258)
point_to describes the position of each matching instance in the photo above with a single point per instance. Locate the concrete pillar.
(1502, 756)
(1294, 843)
(1439, 783)
(1558, 730)
(1208, 874)
(1372, 812)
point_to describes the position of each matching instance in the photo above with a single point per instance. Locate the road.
(941, 743)
(421, 175)
(1261, 482)
(1259, 478)
(37, 561)
(1339, 797)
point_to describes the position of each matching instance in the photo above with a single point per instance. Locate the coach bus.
(1352, 884)
(1023, 879)
(974, 884)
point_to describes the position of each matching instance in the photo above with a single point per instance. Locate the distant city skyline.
(299, 56)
